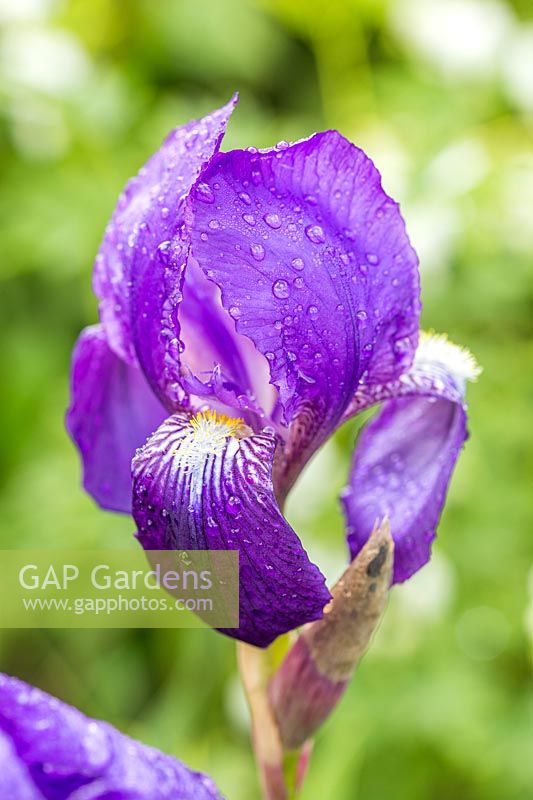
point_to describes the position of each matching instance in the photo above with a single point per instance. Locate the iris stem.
(281, 773)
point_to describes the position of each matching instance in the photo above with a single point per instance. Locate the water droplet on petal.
(258, 251)
(233, 505)
(280, 289)
(372, 258)
(235, 312)
(315, 234)
(162, 250)
(204, 193)
(298, 263)
(249, 219)
(245, 197)
(361, 315)
(312, 310)
(272, 220)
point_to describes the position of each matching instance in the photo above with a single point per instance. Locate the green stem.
(281, 772)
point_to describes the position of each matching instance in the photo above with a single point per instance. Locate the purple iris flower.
(250, 303)
(51, 751)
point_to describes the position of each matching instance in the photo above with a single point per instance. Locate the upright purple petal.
(112, 412)
(315, 265)
(405, 456)
(209, 338)
(202, 483)
(162, 285)
(148, 215)
(50, 751)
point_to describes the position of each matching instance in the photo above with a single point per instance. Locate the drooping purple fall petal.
(314, 264)
(202, 484)
(405, 456)
(51, 751)
(112, 413)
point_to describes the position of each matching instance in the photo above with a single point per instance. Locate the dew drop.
(162, 250)
(312, 310)
(361, 315)
(315, 234)
(204, 193)
(298, 263)
(272, 220)
(258, 251)
(372, 258)
(280, 289)
(233, 505)
(235, 312)
(249, 219)
(245, 198)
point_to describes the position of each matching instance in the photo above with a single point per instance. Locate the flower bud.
(318, 667)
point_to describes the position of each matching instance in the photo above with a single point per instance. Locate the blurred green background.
(440, 94)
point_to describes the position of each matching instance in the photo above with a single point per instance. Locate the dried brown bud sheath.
(317, 669)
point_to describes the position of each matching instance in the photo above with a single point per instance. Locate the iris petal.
(131, 269)
(313, 260)
(15, 780)
(205, 485)
(402, 467)
(71, 757)
(215, 353)
(177, 321)
(112, 412)
(405, 456)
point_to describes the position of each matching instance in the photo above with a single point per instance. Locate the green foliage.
(442, 705)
